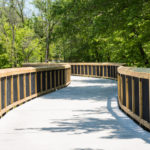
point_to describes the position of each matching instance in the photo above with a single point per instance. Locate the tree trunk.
(47, 43)
(14, 63)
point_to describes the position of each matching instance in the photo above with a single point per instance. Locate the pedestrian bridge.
(83, 116)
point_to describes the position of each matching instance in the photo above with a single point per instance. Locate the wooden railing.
(134, 94)
(133, 87)
(105, 70)
(22, 84)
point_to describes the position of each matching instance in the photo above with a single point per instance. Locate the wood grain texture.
(127, 93)
(133, 96)
(5, 93)
(18, 88)
(140, 99)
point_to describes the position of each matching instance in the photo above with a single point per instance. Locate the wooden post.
(119, 87)
(30, 93)
(18, 87)
(133, 97)
(5, 93)
(77, 68)
(41, 81)
(149, 98)
(35, 82)
(140, 99)
(87, 70)
(55, 79)
(24, 81)
(69, 74)
(61, 77)
(66, 74)
(80, 70)
(74, 69)
(0, 96)
(121, 90)
(100, 71)
(127, 93)
(51, 80)
(106, 71)
(12, 97)
(110, 72)
(92, 70)
(58, 78)
(103, 72)
(96, 71)
(46, 80)
(113, 72)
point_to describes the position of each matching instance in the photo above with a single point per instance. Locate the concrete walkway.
(83, 116)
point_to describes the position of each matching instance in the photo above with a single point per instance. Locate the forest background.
(74, 31)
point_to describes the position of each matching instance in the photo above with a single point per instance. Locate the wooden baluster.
(61, 77)
(149, 98)
(0, 98)
(96, 71)
(140, 99)
(127, 93)
(18, 87)
(46, 80)
(121, 90)
(100, 71)
(12, 90)
(103, 72)
(133, 96)
(92, 70)
(55, 79)
(58, 78)
(74, 69)
(110, 72)
(106, 71)
(80, 70)
(51, 80)
(5, 102)
(35, 82)
(41, 81)
(118, 87)
(24, 81)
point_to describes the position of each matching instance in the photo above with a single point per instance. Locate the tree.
(48, 20)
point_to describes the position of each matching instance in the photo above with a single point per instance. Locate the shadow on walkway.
(96, 90)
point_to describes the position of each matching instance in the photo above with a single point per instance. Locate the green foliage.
(77, 31)
(3, 58)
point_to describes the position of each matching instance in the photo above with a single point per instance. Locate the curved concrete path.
(83, 116)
